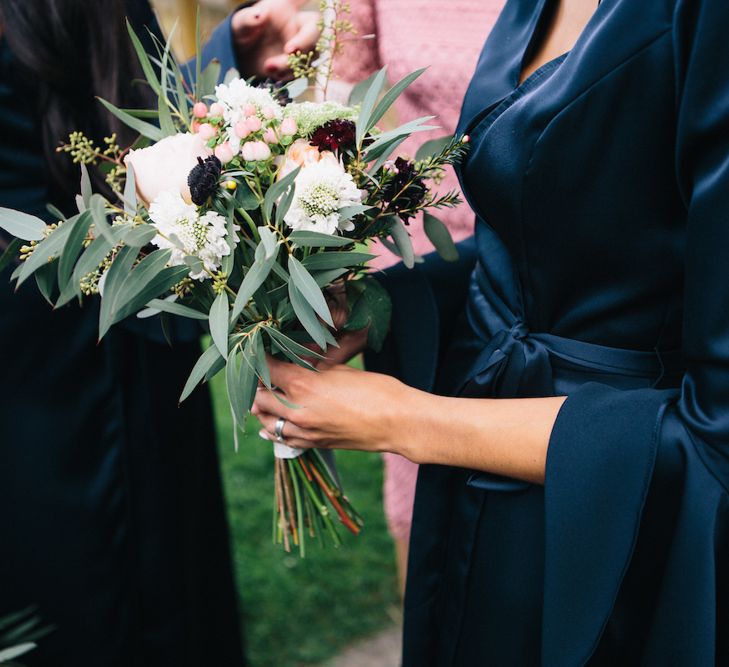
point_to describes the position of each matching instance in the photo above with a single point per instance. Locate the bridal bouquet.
(247, 211)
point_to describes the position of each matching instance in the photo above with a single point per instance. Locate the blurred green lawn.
(303, 612)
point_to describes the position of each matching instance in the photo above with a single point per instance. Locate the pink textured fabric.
(447, 38)
(410, 34)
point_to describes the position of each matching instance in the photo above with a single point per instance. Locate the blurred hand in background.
(267, 32)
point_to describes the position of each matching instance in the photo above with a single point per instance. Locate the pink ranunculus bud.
(241, 129)
(217, 110)
(262, 151)
(199, 110)
(249, 110)
(194, 127)
(207, 131)
(289, 127)
(269, 136)
(269, 112)
(253, 123)
(224, 152)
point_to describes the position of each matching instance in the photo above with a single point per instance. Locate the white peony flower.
(186, 232)
(239, 101)
(166, 165)
(322, 189)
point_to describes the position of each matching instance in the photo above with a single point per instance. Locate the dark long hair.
(75, 51)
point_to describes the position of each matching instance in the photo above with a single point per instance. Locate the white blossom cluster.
(187, 233)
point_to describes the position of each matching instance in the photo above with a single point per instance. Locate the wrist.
(410, 423)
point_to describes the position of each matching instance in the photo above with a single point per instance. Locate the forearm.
(507, 437)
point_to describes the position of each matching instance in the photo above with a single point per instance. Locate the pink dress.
(447, 38)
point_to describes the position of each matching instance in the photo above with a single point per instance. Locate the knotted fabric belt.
(506, 360)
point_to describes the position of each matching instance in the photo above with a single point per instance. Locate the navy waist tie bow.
(499, 356)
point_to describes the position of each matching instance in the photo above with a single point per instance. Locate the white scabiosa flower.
(322, 190)
(240, 102)
(182, 229)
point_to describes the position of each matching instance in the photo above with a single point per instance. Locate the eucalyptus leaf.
(403, 131)
(97, 206)
(284, 204)
(307, 239)
(390, 96)
(297, 87)
(219, 322)
(291, 344)
(349, 212)
(200, 370)
(209, 78)
(130, 192)
(241, 382)
(440, 237)
(360, 90)
(403, 242)
(380, 310)
(335, 260)
(368, 104)
(143, 127)
(256, 276)
(259, 359)
(157, 286)
(72, 248)
(306, 315)
(46, 251)
(147, 68)
(55, 212)
(268, 238)
(195, 263)
(22, 225)
(231, 73)
(45, 278)
(383, 152)
(245, 197)
(86, 190)
(139, 235)
(433, 147)
(308, 288)
(165, 116)
(327, 277)
(91, 257)
(276, 190)
(174, 308)
(10, 254)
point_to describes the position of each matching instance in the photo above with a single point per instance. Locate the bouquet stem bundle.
(306, 492)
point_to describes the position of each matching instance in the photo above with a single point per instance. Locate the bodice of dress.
(589, 215)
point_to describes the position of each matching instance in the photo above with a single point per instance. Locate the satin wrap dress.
(601, 186)
(112, 521)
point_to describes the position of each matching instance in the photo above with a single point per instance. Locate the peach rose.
(166, 165)
(302, 154)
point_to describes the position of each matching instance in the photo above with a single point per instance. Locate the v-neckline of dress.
(536, 32)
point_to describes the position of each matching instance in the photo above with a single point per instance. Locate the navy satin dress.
(112, 519)
(601, 184)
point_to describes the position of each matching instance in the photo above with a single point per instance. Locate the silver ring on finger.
(278, 430)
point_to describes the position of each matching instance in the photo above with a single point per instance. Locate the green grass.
(303, 612)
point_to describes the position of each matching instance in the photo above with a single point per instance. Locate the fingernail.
(263, 434)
